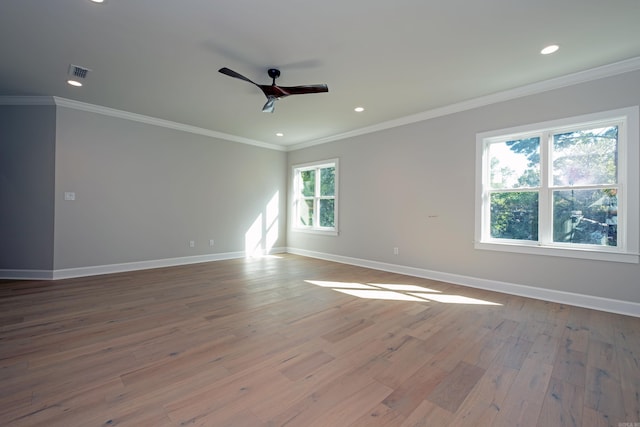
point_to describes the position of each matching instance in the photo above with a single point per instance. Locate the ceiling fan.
(274, 92)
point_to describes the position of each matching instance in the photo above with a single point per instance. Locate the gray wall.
(27, 170)
(412, 187)
(143, 192)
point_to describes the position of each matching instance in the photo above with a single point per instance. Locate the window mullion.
(545, 211)
(485, 217)
(316, 198)
(297, 196)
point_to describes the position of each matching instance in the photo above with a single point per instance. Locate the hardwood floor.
(296, 341)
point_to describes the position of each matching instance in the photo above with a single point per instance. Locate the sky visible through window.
(507, 158)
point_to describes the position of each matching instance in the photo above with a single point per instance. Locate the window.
(567, 188)
(315, 204)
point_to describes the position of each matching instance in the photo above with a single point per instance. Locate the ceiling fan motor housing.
(274, 73)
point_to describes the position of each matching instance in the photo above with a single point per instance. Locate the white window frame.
(627, 249)
(316, 229)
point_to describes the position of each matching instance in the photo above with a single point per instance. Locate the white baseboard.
(26, 274)
(580, 300)
(69, 273)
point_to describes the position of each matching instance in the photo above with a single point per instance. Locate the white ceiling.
(159, 58)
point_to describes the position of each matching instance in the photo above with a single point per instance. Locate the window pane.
(586, 216)
(514, 215)
(308, 178)
(305, 212)
(586, 157)
(327, 181)
(515, 164)
(327, 213)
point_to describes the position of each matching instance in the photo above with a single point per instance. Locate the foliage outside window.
(315, 196)
(566, 188)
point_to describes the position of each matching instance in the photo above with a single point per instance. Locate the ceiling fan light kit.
(274, 92)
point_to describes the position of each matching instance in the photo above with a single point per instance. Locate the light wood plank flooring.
(294, 341)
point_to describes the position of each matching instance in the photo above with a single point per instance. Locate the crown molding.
(604, 71)
(111, 112)
(26, 100)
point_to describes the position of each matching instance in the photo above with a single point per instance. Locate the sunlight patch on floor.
(453, 299)
(397, 292)
(326, 284)
(405, 288)
(379, 294)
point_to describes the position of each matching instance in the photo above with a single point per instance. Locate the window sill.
(579, 253)
(315, 231)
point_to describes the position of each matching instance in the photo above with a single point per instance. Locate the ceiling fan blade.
(301, 90)
(269, 107)
(282, 91)
(231, 73)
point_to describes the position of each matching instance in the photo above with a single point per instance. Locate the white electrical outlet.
(211, 242)
(69, 195)
(192, 243)
(396, 251)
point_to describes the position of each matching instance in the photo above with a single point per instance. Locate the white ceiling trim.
(609, 70)
(63, 102)
(83, 106)
(26, 100)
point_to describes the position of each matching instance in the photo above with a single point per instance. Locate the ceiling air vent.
(78, 72)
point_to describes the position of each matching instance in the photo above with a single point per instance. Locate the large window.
(315, 204)
(568, 188)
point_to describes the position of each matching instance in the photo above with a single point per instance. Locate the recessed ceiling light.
(279, 134)
(358, 109)
(550, 49)
(74, 83)
(98, 1)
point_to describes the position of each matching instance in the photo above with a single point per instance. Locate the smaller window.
(315, 204)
